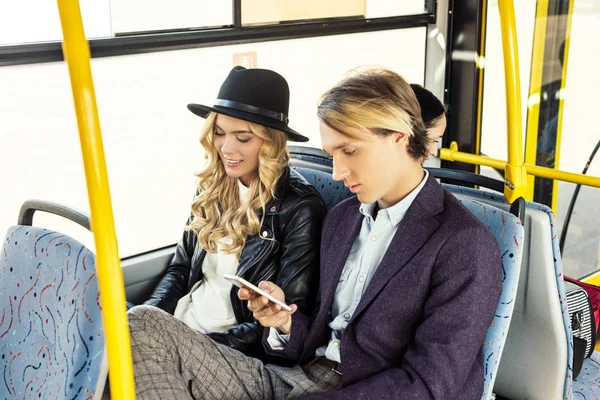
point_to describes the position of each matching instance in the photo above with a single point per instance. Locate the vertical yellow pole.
(481, 67)
(516, 176)
(77, 55)
(535, 85)
(561, 107)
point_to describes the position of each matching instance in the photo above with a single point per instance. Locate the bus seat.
(331, 192)
(508, 231)
(51, 335)
(310, 157)
(537, 359)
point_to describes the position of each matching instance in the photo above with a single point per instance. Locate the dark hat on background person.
(260, 96)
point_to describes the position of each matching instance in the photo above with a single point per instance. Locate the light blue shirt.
(365, 255)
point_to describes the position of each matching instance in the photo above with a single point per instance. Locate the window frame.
(32, 53)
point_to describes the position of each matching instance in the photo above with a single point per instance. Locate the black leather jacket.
(286, 252)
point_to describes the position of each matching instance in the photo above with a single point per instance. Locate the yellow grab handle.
(452, 154)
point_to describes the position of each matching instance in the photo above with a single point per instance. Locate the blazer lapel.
(336, 254)
(413, 232)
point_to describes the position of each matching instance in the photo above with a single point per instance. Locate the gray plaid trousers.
(172, 361)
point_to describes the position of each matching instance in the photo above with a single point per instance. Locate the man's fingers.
(267, 286)
(273, 311)
(267, 312)
(247, 294)
(255, 305)
(258, 302)
(268, 317)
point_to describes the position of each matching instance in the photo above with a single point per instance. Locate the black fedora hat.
(255, 95)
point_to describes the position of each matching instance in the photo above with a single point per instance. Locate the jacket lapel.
(337, 252)
(413, 233)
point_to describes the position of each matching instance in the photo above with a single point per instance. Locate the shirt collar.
(396, 212)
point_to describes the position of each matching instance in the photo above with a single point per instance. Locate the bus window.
(150, 138)
(557, 109)
(260, 12)
(19, 24)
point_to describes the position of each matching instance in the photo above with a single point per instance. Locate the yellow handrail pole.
(110, 279)
(515, 176)
(452, 154)
(550, 173)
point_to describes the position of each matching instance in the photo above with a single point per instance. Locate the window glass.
(578, 136)
(392, 8)
(581, 251)
(493, 130)
(38, 21)
(159, 15)
(256, 12)
(150, 138)
(106, 18)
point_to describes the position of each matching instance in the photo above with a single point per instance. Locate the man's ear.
(399, 138)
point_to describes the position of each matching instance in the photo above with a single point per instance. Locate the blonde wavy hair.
(378, 101)
(217, 210)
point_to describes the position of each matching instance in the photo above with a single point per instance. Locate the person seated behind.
(433, 114)
(252, 216)
(409, 280)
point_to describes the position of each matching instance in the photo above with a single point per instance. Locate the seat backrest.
(51, 336)
(537, 359)
(508, 231)
(331, 192)
(310, 157)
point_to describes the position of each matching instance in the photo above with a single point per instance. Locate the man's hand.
(270, 315)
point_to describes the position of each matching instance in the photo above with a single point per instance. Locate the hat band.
(252, 109)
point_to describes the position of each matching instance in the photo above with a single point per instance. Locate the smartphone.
(241, 282)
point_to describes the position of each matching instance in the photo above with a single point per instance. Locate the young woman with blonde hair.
(252, 216)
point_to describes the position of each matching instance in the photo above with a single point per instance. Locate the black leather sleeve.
(298, 273)
(174, 284)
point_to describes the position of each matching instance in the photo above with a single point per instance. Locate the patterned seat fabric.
(331, 192)
(587, 384)
(509, 234)
(51, 336)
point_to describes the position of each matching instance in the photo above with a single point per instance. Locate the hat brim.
(203, 111)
